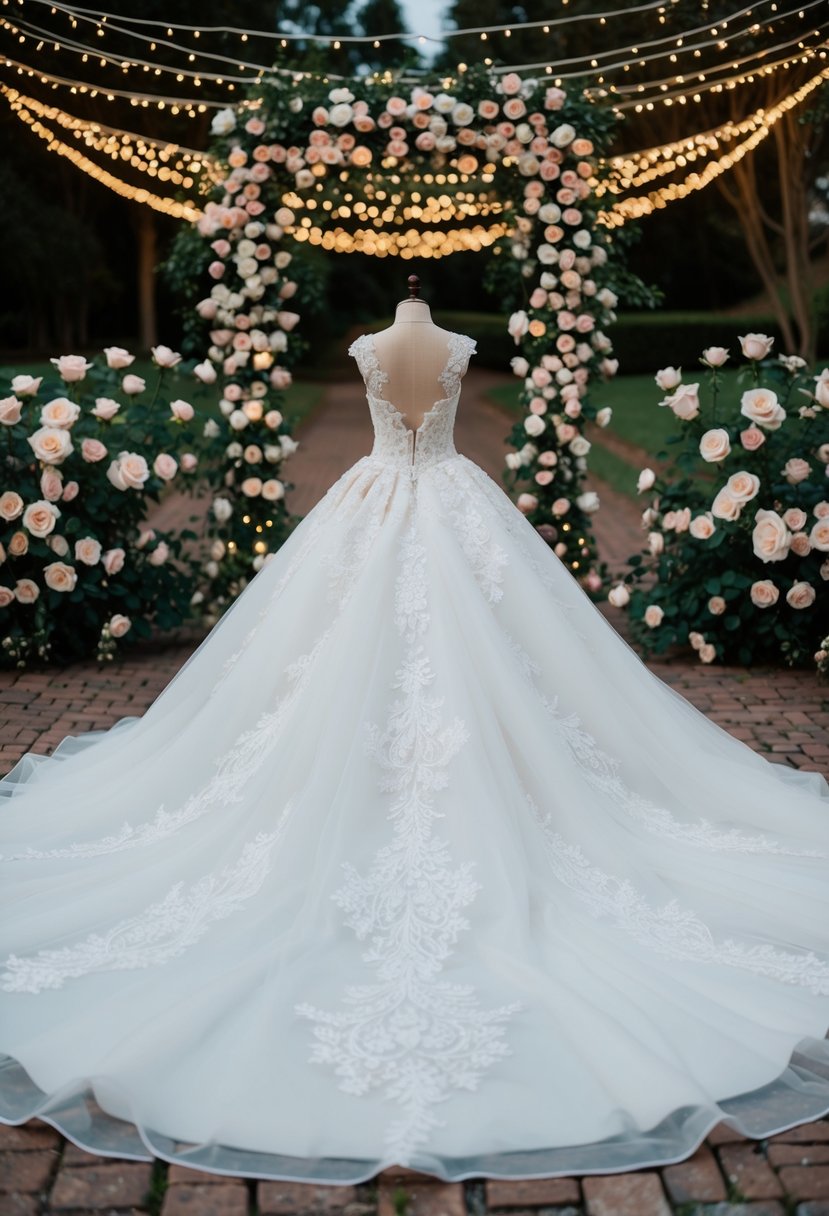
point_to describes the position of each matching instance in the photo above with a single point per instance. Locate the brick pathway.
(783, 713)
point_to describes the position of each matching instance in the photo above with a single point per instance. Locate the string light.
(634, 208)
(414, 243)
(169, 206)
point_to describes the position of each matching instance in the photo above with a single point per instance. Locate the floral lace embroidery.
(157, 933)
(226, 787)
(602, 772)
(415, 1035)
(485, 556)
(671, 929)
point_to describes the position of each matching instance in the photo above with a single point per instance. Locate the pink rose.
(752, 438)
(796, 470)
(11, 505)
(543, 477)
(132, 385)
(526, 503)
(159, 554)
(819, 535)
(92, 450)
(743, 486)
(70, 491)
(19, 544)
(114, 560)
(795, 519)
(26, 386)
(707, 653)
(764, 594)
(40, 518)
(771, 538)
(561, 506)
(801, 544)
(725, 506)
(756, 346)
(715, 445)
(716, 605)
(188, 462)
(51, 444)
(800, 595)
(511, 84)
(51, 484)
(821, 510)
(761, 406)
(6, 596)
(684, 403)
(26, 591)
(164, 357)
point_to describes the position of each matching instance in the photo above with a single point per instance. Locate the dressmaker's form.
(412, 372)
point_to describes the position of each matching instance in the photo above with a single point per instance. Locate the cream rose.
(761, 406)
(51, 444)
(60, 577)
(702, 527)
(771, 538)
(10, 411)
(725, 506)
(165, 466)
(92, 450)
(60, 412)
(40, 518)
(764, 594)
(715, 356)
(715, 445)
(133, 385)
(653, 615)
(6, 596)
(273, 489)
(707, 653)
(11, 505)
(716, 605)
(119, 625)
(752, 438)
(618, 596)
(26, 386)
(133, 469)
(117, 357)
(819, 535)
(743, 486)
(647, 478)
(668, 378)
(526, 503)
(105, 408)
(164, 357)
(800, 595)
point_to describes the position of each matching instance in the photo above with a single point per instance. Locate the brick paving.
(781, 713)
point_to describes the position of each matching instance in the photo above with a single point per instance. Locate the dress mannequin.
(413, 352)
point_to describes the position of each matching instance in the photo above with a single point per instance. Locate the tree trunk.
(147, 259)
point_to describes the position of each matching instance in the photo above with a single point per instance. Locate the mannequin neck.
(410, 312)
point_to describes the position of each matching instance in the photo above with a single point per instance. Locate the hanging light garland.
(169, 206)
(764, 121)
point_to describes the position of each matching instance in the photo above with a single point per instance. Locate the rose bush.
(740, 566)
(83, 456)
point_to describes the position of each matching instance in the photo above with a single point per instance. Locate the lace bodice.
(433, 440)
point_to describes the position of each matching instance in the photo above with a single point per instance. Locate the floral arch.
(479, 159)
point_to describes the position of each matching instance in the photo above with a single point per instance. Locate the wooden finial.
(414, 287)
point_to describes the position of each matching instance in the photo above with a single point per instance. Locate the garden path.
(779, 712)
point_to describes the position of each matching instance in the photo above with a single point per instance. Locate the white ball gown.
(413, 862)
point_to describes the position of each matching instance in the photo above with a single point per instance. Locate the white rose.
(588, 502)
(563, 135)
(756, 346)
(224, 121)
(800, 595)
(619, 596)
(646, 480)
(222, 509)
(715, 356)
(534, 425)
(668, 378)
(604, 415)
(653, 615)
(51, 444)
(580, 446)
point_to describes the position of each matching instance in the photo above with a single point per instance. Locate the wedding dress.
(413, 862)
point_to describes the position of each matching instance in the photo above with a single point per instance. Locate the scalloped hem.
(799, 1095)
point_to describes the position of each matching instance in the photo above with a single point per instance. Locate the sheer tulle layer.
(413, 862)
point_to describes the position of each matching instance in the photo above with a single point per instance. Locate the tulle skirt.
(413, 862)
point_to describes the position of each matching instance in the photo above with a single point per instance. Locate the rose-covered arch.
(479, 159)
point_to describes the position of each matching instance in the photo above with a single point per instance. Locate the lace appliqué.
(156, 934)
(601, 771)
(671, 929)
(226, 787)
(486, 558)
(418, 1037)
(415, 1035)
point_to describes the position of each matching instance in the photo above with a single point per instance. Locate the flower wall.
(737, 559)
(83, 457)
(349, 168)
